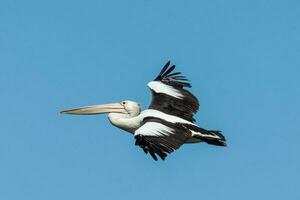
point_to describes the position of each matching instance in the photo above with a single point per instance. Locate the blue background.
(242, 57)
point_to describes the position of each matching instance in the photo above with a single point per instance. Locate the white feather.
(204, 135)
(154, 129)
(164, 116)
(160, 87)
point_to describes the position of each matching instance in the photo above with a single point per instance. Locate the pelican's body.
(131, 122)
(167, 124)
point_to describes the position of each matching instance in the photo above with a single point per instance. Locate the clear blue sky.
(243, 58)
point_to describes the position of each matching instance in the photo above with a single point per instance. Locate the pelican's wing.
(159, 137)
(169, 95)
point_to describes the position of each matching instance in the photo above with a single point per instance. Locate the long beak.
(96, 109)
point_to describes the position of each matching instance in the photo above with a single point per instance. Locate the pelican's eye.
(123, 102)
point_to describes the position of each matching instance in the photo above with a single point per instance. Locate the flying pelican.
(167, 124)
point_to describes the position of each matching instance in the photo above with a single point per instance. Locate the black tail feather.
(214, 141)
(210, 136)
(219, 141)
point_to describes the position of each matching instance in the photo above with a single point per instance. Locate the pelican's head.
(131, 107)
(124, 107)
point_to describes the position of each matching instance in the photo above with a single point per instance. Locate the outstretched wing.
(159, 137)
(169, 95)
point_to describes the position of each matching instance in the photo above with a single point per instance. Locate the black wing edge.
(159, 145)
(150, 147)
(173, 79)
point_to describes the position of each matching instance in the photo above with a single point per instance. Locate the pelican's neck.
(127, 122)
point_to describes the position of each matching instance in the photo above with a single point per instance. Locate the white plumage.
(160, 87)
(154, 129)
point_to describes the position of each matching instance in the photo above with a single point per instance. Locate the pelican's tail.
(208, 136)
(211, 137)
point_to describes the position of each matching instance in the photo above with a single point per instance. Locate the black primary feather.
(171, 79)
(184, 107)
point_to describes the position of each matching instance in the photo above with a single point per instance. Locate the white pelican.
(167, 124)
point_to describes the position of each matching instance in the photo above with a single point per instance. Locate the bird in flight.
(167, 124)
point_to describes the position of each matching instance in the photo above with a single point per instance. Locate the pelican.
(167, 124)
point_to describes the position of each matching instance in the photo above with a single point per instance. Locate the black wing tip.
(167, 69)
(175, 78)
(147, 147)
(168, 63)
